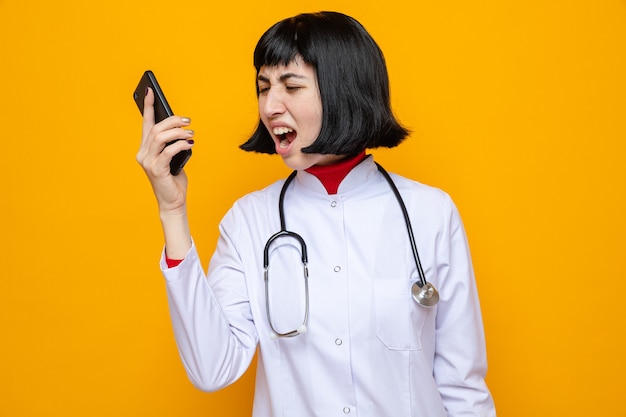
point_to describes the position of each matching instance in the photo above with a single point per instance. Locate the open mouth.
(285, 136)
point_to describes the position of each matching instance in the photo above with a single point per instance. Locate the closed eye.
(263, 88)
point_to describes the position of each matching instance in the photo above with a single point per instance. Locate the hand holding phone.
(162, 110)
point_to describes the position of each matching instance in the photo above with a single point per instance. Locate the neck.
(331, 175)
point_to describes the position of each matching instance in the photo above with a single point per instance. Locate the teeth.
(282, 130)
(284, 144)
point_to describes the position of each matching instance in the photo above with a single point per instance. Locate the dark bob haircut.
(352, 79)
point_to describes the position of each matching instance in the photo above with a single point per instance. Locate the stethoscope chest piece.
(425, 295)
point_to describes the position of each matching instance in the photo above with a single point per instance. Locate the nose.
(271, 103)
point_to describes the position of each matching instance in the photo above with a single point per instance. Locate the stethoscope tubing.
(409, 228)
(304, 256)
(423, 292)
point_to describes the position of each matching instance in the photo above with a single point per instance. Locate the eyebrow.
(283, 77)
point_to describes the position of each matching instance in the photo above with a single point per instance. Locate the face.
(290, 107)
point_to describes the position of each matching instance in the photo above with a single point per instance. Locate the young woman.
(319, 271)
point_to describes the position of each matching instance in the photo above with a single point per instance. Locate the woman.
(350, 338)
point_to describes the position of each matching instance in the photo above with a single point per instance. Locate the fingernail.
(190, 141)
(185, 119)
(191, 132)
(147, 88)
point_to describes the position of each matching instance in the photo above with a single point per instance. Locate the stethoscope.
(424, 293)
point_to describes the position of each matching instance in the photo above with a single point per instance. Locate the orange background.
(517, 110)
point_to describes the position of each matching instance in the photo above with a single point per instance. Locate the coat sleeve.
(460, 362)
(213, 325)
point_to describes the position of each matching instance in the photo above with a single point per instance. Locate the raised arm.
(169, 190)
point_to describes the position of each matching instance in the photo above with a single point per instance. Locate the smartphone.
(162, 110)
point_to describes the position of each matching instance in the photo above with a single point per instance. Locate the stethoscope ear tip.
(302, 329)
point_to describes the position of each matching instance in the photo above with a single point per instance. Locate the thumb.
(148, 111)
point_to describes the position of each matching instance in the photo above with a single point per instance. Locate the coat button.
(338, 342)
(333, 204)
(337, 268)
(346, 410)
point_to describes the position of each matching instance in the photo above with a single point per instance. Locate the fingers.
(157, 151)
(161, 141)
(174, 147)
(158, 168)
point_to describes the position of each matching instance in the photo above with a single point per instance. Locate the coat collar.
(360, 175)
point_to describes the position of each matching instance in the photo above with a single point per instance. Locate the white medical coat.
(369, 349)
